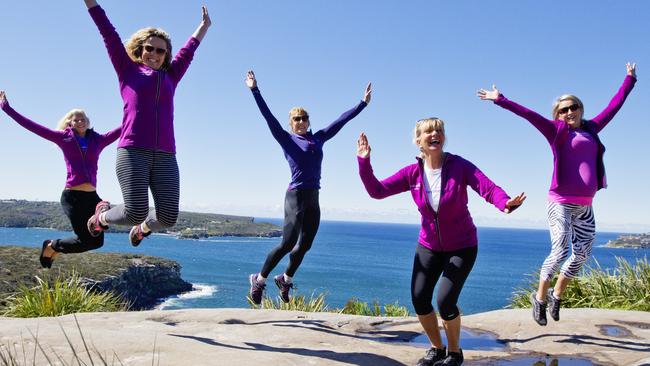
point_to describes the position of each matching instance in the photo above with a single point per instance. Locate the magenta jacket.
(81, 167)
(148, 94)
(451, 228)
(556, 132)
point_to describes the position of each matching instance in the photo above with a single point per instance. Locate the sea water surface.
(369, 261)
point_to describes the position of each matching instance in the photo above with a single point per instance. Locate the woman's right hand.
(3, 98)
(631, 69)
(90, 3)
(363, 148)
(250, 79)
(488, 94)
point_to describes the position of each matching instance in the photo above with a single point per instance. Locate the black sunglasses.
(565, 110)
(300, 118)
(150, 48)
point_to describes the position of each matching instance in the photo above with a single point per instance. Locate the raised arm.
(44, 132)
(277, 131)
(397, 183)
(334, 127)
(491, 192)
(543, 125)
(116, 52)
(110, 137)
(205, 23)
(603, 118)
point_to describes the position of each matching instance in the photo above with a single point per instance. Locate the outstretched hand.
(3, 98)
(368, 94)
(363, 148)
(515, 202)
(631, 69)
(488, 94)
(90, 3)
(205, 16)
(251, 82)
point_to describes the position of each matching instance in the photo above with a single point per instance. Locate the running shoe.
(257, 289)
(284, 287)
(46, 262)
(452, 359)
(94, 226)
(136, 235)
(554, 305)
(539, 310)
(433, 355)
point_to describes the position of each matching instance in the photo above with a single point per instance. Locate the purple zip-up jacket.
(304, 153)
(556, 132)
(451, 227)
(148, 94)
(81, 167)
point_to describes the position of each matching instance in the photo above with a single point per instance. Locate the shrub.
(317, 304)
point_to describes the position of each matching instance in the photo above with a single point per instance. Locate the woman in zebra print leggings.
(146, 156)
(578, 173)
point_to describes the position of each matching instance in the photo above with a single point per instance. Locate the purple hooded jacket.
(556, 132)
(451, 227)
(148, 94)
(81, 167)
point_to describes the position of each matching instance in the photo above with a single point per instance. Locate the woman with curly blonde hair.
(81, 147)
(146, 154)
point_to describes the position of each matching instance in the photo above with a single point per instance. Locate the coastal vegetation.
(630, 241)
(626, 287)
(194, 225)
(316, 303)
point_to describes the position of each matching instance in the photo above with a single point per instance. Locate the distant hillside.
(630, 241)
(21, 213)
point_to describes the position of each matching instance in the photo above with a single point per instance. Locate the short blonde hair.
(134, 44)
(427, 125)
(555, 111)
(64, 122)
(298, 111)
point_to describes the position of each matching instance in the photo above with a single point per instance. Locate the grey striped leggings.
(137, 171)
(573, 224)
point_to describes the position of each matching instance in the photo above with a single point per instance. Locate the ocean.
(369, 261)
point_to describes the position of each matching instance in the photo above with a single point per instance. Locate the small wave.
(200, 290)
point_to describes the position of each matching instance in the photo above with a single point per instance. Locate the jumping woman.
(448, 243)
(304, 153)
(81, 147)
(578, 173)
(146, 154)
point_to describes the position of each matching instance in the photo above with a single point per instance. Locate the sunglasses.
(565, 110)
(300, 118)
(150, 48)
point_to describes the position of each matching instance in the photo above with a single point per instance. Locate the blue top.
(304, 153)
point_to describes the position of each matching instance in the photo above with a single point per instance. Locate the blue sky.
(425, 58)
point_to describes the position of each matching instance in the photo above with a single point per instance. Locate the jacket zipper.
(442, 185)
(156, 107)
(83, 156)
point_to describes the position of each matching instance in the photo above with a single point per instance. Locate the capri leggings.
(301, 220)
(137, 171)
(573, 224)
(78, 206)
(428, 265)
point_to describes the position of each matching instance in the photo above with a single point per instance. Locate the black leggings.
(301, 220)
(428, 266)
(78, 206)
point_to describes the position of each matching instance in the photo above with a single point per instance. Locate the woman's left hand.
(368, 94)
(631, 69)
(3, 98)
(363, 148)
(515, 202)
(205, 17)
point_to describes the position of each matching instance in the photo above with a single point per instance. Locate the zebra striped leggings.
(137, 171)
(569, 223)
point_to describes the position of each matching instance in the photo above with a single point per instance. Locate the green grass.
(65, 295)
(316, 303)
(626, 287)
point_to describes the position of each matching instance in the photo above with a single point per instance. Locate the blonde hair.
(298, 111)
(427, 125)
(134, 44)
(64, 122)
(555, 111)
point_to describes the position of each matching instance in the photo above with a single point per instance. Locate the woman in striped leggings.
(578, 173)
(146, 155)
(81, 147)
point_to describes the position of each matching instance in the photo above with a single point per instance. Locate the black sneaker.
(94, 226)
(257, 289)
(284, 287)
(539, 310)
(433, 355)
(452, 359)
(136, 235)
(554, 305)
